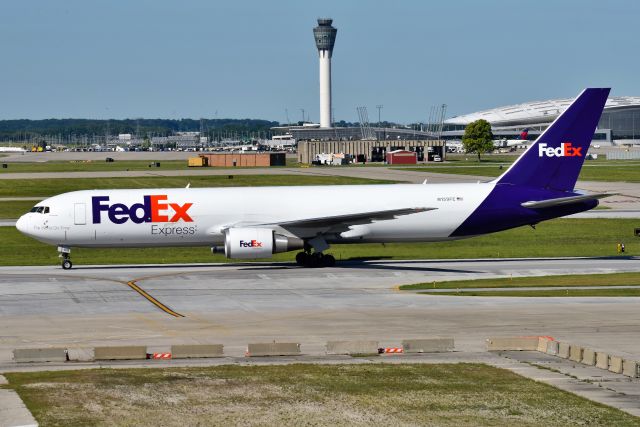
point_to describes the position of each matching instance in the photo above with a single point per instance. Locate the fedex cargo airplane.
(250, 223)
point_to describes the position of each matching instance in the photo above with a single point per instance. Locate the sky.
(257, 59)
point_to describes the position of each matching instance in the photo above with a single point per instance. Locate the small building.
(402, 157)
(370, 151)
(227, 160)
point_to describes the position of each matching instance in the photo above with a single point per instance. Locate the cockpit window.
(40, 209)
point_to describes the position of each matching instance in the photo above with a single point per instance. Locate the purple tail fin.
(554, 160)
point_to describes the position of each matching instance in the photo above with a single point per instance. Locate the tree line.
(144, 127)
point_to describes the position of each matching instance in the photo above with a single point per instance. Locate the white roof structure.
(536, 112)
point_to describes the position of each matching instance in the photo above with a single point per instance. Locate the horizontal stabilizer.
(561, 201)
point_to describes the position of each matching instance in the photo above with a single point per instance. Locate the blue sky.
(256, 58)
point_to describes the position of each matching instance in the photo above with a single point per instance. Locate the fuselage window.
(46, 209)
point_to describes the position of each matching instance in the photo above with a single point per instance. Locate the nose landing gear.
(64, 253)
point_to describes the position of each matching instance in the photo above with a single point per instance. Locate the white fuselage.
(201, 215)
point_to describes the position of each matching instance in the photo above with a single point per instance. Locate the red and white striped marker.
(393, 350)
(162, 356)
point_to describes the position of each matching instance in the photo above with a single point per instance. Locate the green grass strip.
(560, 237)
(15, 208)
(613, 279)
(616, 292)
(609, 172)
(50, 187)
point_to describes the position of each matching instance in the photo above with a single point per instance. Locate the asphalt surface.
(241, 303)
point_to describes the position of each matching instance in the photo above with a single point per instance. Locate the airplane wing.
(560, 201)
(337, 223)
(351, 219)
(306, 227)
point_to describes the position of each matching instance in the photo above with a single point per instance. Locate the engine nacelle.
(252, 243)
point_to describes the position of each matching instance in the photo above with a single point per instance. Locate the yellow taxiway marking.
(152, 300)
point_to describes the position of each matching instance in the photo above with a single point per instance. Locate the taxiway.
(235, 304)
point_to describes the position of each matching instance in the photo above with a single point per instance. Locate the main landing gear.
(64, 253)
(316, 259)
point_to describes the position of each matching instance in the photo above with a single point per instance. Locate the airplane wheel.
(301, 258)
(328, 260)
(66, 264)
(313, 261)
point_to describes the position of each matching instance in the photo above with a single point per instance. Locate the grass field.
(560, 237)
(340, 395)
(95, 165)
(616, 292)
(102, 166)
(615, 279)
(598, 170)
(15, 208)
(50, 187)
(509, 287)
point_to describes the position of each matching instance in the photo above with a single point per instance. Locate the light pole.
(379, 107)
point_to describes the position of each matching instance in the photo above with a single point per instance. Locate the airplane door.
(80, 214)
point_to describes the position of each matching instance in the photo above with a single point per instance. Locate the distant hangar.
(619, 124)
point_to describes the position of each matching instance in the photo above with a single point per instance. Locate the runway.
(235, 304)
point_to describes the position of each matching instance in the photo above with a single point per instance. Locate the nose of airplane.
(21, 224)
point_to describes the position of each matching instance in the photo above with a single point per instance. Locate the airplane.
(12, 150)
(256, 222)
(508, 143)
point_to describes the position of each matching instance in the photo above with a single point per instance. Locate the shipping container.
(402, 157)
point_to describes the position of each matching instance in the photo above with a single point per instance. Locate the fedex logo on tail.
(564, 150)
(250, 244)
(154, 208)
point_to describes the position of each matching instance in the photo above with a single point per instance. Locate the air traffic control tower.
(325, 35)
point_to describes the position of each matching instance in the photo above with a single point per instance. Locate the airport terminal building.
(619, 124)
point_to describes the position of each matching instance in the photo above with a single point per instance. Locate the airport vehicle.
(250, 223)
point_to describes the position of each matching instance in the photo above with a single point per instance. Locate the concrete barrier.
(196, 350)
(352, 347)
(615, 364)
(512, 343)
(130, 352)
(428, 345)
(630, 368)
(273, 349)
(575, 353)
(552, 348)
(80, 354)
(602, 360)
(588, 357)
(543, 343)
(563, 350)
(27, 355)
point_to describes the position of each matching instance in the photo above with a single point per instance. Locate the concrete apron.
(13, 412)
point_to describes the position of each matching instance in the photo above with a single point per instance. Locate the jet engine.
(252, 243)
